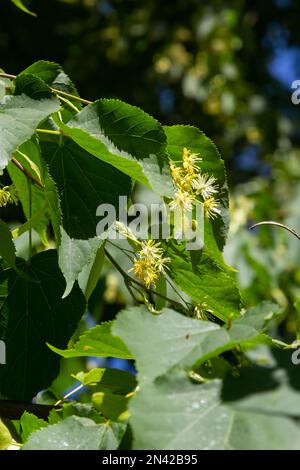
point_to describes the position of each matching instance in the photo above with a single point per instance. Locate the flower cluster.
(149, 262)
(8, 195)
(190, 183)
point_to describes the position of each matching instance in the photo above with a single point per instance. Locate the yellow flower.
(211, 208)
(149, 263)
(205, 185)
(187, 182)
(150, 278)
(8, 195)
(145, 270)
(150, 249)
(183, 200)
(161, 264)
(190, 160)
(176, 173)
(182, 180)
(4, 196)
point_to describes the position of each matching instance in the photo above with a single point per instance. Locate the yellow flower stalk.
(189, 161)
(176, 173)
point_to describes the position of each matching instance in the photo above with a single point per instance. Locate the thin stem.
(128, 286)
(48, 131)
(125, 251)
(69, 103)
(72, 97)
(116, 265)
(69, 394)
(30, 216)
(277, 224)
(8, 75)
(131, 280)
(177, 292)
(26, 172)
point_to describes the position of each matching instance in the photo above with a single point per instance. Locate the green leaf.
(91, 377)
(117, 381)
(31, 314)
(54, 79)
(53, 75)
(22, 7)
(53, 201)
(75, 433)
(45, 204)
(112, 406)
(113, 381)
(125, 137)
(74, 256)
(5, 436)
(99, 342)
(174, 413)
(195, 140)
(209, 283)
(19, 117)
(83, 410)
(7, 246)
(161, 288)
(160, 342)
(30, 423)
(35, 219)
(261, 315)
(32, 86)
(39, 203)
(94, 273)
(83, 183)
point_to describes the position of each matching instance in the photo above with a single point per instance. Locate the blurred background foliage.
(223, 66)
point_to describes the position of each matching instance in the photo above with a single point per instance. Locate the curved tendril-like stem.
(277, 224)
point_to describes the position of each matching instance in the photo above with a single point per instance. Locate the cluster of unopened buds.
(191, 183)
(149, 262)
